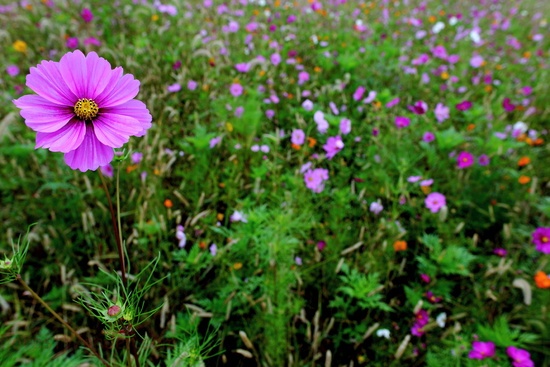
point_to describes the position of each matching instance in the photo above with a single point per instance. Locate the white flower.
(453, 20)
(474, 35)
(520, 126)
(385, 333)
(438, 27)
(440, 319)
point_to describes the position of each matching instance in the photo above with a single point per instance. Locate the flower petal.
(115, 130)
(72, 67)
(91, 154)
(124, 90)
(99, 75)
(46, 81)
(43, 115)
(68, 138)
(135, 109)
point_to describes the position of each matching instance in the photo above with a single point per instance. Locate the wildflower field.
(275, 183)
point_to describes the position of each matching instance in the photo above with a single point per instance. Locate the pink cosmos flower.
(236, 89)
(541, 239)
(482, 350)
(435, 201)
(275, 59)
(476, 61)
(303, 77)
(315, 179)
(358, 94)
(393, 102)
(345, 126)
(507, 105)
(441, 112)
(464, 160)
(402, 121)
(376, 208)
(192, 85)
(428, 137)
(333, 146)
(83, 108)
(483, 160)
(242, 67)
(72, 42)
(298, 137)
(322, 124)
(12, 70)
(520, 357)
(440, 52)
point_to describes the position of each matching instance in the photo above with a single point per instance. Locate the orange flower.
(168, 203)
(400, 246)
(524, 161)
(237, 266)
(542, 280)
(311, 142)
(20, 46)
(524, 179)
(219, 216)
(488, 88)
(317, 69)
(538, 141)
(444, 75)
(426, 189)
(131, 168)
(202, 245)
(470, 127)
(221, 185)
(296, 147)
(432, 19)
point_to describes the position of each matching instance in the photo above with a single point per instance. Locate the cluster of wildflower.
(482, 350)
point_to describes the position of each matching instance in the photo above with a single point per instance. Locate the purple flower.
(413, 179)
(358, 94)
(464, 160)
(419, 108)
(83, 109)
(322, 124)
(275, 59)
(315, 179)
(236, 89)
(303, 77)
(333, 146)
(439, 52)
(402, 121)
(298, 137)
(482, 350)
(242, 67)
(136, 157)
(541, 239)
(321, 245)
(12, 70)
(425, 278)
(180, 235)
(422, 317)
(520, 357)
(238, 216)
(427, 182)
(417, 330)
(92, 41)
(215, 141)
(428, 137)
(435, 201)
(213, 249)
(483, 160)
(72, 42)
(176, 87)
(393, 102)
(192, 85)
(269, 114)
(376, 208)
(345, 126)
(441, 112)
(476, 61)
(107, 170)
(464, 106)
(87, 15)
(307, 105)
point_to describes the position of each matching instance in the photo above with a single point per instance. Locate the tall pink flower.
(435, 201)
(464, 160)
(83, 108)
(482, 350)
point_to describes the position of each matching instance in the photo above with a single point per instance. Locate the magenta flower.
(541, 239)
(500, 252)
(402, 121)
(275, 59)
(441, 112)
(393, 102)
(483, 160)
(345, 126)
(242, 67)
(419, 108)
(464, 106)
(435, 201)
(358, 94)
(87, 15)
(83, 109)
(303, 77)
(428, 137)
(507, 105)
(298, 137)
(520, 357)
(322, 124)
(482, 350)
(440, 52)
(333, 146)
(72, 42)
(192, 85)
(476, 61)
(464, 160)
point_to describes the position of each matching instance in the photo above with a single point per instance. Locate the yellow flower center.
(544, 239)
(86, 109)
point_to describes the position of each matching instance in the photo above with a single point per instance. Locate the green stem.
(115, 219)
(60, 319)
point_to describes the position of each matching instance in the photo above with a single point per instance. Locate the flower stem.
(115, 219)
(60, 319)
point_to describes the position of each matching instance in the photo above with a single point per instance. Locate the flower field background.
(324, 183)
